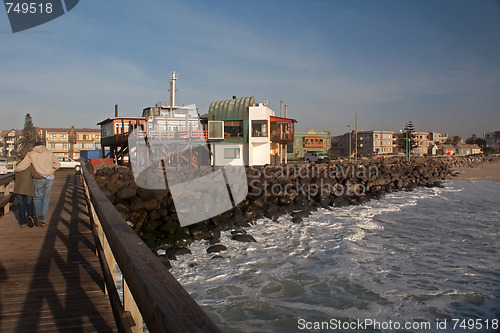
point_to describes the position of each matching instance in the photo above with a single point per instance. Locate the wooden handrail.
(6, 179)
(163, 303)
(6, 187)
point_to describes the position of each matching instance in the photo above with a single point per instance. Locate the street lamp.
(349, 129)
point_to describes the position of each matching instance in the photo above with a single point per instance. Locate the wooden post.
(131, 308)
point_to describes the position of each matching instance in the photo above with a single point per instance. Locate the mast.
(173, 78)
(356, 139)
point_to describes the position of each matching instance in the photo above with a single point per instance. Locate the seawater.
(426, 257)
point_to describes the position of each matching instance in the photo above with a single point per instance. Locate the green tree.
(481, 142)
(475, 140)
(455, 140)
(29, 137)
(407, 138)
(488, 150)
(471, 140)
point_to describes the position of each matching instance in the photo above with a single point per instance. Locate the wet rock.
(151, 205)
(173, 252)
(165, 261)
(239, 219)
(113, 188)
(216, 248)
(126, 193)
(244, 238)
(184, 241)
(201, 232)
(217, 257)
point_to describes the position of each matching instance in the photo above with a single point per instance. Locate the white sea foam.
(398, 258)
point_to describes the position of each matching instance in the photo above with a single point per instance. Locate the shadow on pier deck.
(50, 278)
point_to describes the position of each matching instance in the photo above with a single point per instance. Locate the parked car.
(5, 166)
(317, 157)
(69, 163)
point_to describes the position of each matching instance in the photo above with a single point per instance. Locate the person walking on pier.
(45, 163)
(24, 189)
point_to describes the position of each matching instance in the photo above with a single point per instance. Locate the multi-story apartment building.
(437, 138)
(375, 142)
(368, 143)
(86, 139)
(70, 141)
(340, 144)
(493, 140)
(10, 140)
(425, 145)
(310, 140)
(423, 142)
(57, 140)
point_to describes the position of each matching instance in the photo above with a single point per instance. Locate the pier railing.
(6, 188)
(150, 292)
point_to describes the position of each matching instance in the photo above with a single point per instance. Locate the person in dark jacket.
(24, 189)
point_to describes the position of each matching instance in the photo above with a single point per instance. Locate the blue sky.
(436, 62)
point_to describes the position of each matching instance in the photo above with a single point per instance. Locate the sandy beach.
(488, 171)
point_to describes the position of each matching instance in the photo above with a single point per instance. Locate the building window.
(215, 129)
(259, 128)
(65, 146)
(52, 146)
(233, 129)
(53, 137)
(63, 136)
(231, 153)
(85, 137)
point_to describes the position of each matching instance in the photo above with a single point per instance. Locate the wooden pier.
(61, 278)
(50, 277)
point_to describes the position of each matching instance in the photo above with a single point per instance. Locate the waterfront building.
(369, 143)
(311, 140)
(422, 139)
(114, 135)
(437, 138)
(433, 148)
(10, 140)
(57, 141)
(446, 150)
(375, 142)
(241, 132)
(466, 149)
(493, 140)
(68, 142)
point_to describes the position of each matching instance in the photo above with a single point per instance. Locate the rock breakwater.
(273, 191)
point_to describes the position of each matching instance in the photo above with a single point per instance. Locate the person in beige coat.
(45, 163)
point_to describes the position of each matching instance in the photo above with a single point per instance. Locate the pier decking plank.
(50, 279)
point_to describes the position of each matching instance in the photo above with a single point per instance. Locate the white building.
(244, 133)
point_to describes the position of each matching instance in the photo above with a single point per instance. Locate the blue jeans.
(43, 187)
(25, 204)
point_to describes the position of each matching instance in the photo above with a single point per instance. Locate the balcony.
(313, 142)
(282, 130)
